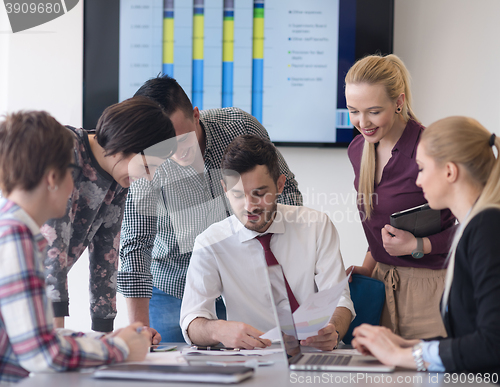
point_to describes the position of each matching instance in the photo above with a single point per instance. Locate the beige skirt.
(412, 297)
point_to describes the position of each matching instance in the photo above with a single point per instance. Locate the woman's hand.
(367, 268)
(359, 270)
(388, 348)
(398, 242)
(138, 340)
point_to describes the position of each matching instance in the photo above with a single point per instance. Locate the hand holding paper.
(314, 314)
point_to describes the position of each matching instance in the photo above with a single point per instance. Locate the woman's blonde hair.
(390, 72)
(464, 141)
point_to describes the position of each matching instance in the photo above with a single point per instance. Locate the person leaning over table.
(231, 257)
(36, 182)
(457, 170)
(131, 140)
(378, 97)
(162, 219)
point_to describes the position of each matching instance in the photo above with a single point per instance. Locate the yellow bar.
(228, 41)
(168, 40)
(258, 38)
(198, 27)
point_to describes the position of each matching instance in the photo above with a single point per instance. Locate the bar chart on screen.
(276, 59)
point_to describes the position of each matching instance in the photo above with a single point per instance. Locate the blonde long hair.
(390, 72)
(464, 141)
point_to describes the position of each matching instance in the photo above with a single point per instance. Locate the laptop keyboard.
(319, 360)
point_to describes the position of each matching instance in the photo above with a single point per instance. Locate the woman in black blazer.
(457, 170)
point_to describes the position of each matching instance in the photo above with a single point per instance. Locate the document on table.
(242, 352)
(314, 314)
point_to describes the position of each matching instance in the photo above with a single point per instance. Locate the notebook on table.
(314, 361)
(174, 373)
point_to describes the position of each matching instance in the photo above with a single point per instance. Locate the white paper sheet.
(314, 314)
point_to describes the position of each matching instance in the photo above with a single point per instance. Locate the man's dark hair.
(165, 91)
(133, 126)
(246, 152)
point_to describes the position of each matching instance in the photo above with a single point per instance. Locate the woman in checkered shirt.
(36, 181)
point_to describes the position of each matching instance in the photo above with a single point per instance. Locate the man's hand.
(233, 334)
(155, 336)
(203, 331)
(240, 335)
(138, 310)
(326, 340)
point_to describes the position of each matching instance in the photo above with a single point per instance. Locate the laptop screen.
(283, 311)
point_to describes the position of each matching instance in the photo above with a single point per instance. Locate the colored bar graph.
(258, 59)
(227, 53)
(198, 41)
(168, 37)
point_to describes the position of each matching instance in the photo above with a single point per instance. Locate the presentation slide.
(276, 59)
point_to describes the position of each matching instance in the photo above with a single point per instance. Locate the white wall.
(451, 48)
(41, 68)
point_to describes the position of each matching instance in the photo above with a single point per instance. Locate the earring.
(398, 110)
(53, 189)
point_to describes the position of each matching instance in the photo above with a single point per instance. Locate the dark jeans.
(165, 312)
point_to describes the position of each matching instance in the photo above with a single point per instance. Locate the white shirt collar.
(276, 227)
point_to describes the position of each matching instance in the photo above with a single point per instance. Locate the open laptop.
(315, 361)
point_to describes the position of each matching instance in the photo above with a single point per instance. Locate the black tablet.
(421, 221)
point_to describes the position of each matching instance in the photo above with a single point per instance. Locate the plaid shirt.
(160, 224)
(28, 342)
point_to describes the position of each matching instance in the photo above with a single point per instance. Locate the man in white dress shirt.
(227, 260)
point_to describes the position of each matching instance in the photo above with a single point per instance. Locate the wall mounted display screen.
(283, 61)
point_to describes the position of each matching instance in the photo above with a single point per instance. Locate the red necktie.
(265, 241)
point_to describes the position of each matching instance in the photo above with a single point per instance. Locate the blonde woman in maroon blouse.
(379, 101)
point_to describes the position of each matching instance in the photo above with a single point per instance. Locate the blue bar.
(227, 84)
(228, 13)
(168, 69)
(257, 87)
(168, 14)
(199, 11)
(197, 97)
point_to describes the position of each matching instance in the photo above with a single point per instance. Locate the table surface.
(276, 375)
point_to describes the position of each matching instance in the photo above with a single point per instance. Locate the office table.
(276, 375)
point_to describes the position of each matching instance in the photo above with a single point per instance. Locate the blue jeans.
(165, 313)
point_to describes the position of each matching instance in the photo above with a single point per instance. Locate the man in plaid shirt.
(162, 218)
(36, 181)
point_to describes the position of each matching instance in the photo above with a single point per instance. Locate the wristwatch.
(418, 356)
(419, 251)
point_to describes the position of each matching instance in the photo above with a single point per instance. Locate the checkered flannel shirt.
(28, 342)
(163, 217)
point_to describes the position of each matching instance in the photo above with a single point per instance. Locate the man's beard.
(265, 217)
